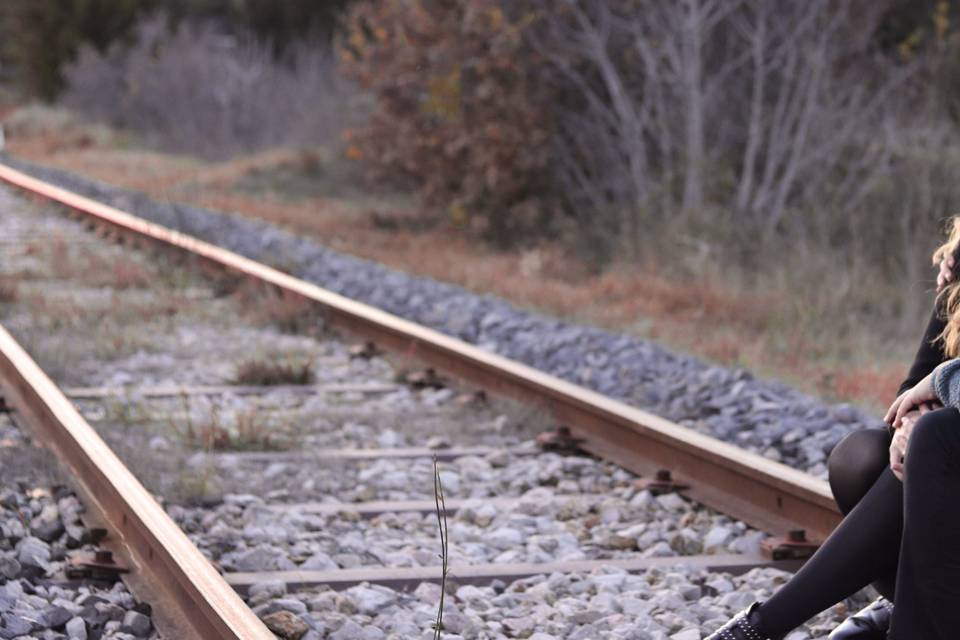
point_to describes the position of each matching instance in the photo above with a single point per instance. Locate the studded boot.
(870, 623)
(743, 626)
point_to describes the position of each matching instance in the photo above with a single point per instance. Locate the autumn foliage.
(459, 115)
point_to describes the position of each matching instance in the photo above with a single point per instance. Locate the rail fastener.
(99, 565)
(661, 482)
(561, 440)
(793, 546)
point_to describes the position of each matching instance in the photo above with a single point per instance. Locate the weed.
(61, 264)
(9, 291)
(196, 486)
(288, 313)
(128, 274)
(245, 431)
(444, 540)
(127, 414)
(265, 373)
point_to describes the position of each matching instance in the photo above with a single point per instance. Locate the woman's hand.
(898, 446)
(901, 438)
(945, 276)
(910, 399)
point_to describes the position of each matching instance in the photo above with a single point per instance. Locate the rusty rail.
(186, 591)
(766, 494)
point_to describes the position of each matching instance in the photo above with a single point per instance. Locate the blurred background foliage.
(38, 38)
(722, 122)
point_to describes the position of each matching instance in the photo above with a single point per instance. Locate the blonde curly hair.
(950, 296)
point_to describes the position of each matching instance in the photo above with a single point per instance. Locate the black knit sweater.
(930, 353)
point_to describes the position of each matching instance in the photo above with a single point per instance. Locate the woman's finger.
(905, 433)
(895, 407)
(897, 470)
(901, 411)
(896, 457)
(892, 411)
(906, 405)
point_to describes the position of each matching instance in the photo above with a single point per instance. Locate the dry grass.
(441, 511)
(50, 130)
(247, 430)
(126, 273)
(261, 372)
(287, 313)
(62, 311)
(9, 290)
(80, 263)
(196, 487)
(760, 325)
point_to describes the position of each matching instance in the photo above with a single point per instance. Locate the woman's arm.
(930, 354)
(946, 382)
(918, 388)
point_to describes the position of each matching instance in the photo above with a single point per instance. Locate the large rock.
(136, 624)
(57, 616)
(15, 625)
(371, 600)
(505, 538)
(47, 525)
(76, 629)
(286, 625)
(9, 566)
(259, 558)
(319, 562)
(33, 552)
(268, 588)
(717, 538)
(349, 631)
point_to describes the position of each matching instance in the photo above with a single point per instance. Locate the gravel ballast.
(40, 528)
(240, 505)
(659, 604)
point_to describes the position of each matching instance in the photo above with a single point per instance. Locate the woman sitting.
(899, 490)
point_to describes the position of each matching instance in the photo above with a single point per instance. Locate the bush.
(201, 91)
(459, 113)
(37, 37)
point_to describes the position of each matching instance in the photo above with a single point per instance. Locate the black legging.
(916, 565)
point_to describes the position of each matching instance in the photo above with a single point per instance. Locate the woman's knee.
(935, 435)
(855, 463)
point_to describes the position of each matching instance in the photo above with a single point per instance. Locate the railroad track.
(766, 495)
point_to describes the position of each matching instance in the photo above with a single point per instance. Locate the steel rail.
(185, 589)
(766, 494)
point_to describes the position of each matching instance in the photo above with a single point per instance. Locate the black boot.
(870, 623)
(743, 626)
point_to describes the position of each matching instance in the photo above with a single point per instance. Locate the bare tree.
(646, 81)
(740, 110)
(814, 94)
